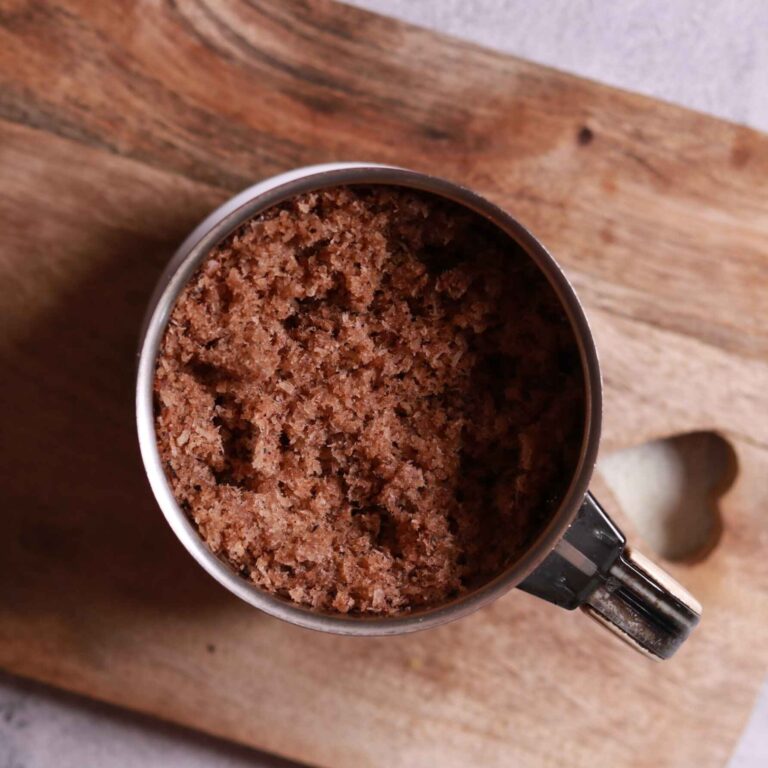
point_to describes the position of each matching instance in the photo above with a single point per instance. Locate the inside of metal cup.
(194, 250)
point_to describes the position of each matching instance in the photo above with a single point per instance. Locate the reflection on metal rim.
(185, 261)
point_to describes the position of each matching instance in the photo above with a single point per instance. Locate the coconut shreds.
(368, 400)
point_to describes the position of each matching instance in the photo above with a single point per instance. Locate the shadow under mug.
(579, 560)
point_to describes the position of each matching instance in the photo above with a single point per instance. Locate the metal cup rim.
(218, 225)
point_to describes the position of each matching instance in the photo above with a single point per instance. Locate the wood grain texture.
(121, 125)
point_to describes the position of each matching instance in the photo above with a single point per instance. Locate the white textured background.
(710, 55)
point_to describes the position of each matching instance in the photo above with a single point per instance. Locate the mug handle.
(592, 568)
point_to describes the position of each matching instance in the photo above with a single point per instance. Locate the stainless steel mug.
(579, 560)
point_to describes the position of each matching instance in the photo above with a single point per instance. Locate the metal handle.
(592, 568)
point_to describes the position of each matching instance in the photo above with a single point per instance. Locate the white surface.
(752, 750)
(710, 55)
(670, 490)
(43, 728)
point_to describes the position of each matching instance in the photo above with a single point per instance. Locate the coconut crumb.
(368, 400)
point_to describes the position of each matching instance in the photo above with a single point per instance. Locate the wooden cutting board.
(121, 125)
